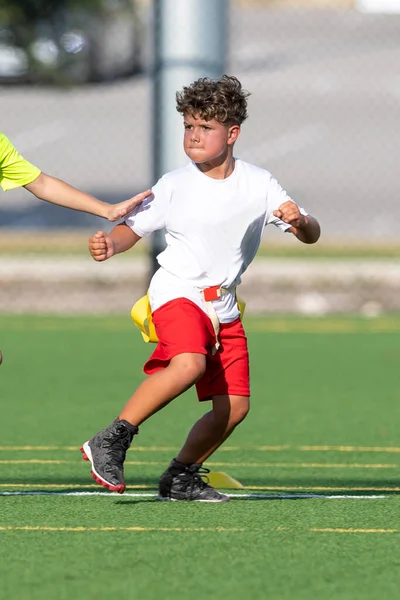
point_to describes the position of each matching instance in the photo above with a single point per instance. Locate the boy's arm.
(61, 193)
(305, 228)
(102, 245)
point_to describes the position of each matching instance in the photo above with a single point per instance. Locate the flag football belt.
(210, 295)
(142, 317)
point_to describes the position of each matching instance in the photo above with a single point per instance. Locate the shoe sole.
(87, 455)
(164, 499)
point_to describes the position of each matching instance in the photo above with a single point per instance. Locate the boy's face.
(205, 141)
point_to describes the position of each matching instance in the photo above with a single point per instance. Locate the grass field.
(318, 456)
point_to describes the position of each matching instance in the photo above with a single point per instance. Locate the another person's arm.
(61, 193)
(16, 172)
(104, 245)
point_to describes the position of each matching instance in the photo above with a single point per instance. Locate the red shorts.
(182, 327)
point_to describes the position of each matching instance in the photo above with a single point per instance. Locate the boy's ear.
(233, 134)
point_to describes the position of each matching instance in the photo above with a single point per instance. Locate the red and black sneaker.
(106, 451)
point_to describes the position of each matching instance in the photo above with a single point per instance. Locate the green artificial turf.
(318, 457)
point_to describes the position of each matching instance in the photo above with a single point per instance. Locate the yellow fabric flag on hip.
(142, 318)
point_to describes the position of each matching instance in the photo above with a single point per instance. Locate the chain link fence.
(323, 118)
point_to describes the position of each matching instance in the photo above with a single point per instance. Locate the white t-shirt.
(213, 231)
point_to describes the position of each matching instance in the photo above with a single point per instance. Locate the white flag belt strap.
(210, 295)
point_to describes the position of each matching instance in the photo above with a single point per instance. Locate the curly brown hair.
(221, 99)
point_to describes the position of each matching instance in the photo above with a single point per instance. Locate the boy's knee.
(191, 367)
(240, 411)
(231, 409)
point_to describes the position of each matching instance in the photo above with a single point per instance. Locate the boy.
(214, 211)
(15, 172)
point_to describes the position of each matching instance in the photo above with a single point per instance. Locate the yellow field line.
(350, 530)
(136, 529)
(83, 529)
(72, 486)
(338, 530)
(36, 448)
(383, 449)
(284, 465)
(35, 461)
(277, 448)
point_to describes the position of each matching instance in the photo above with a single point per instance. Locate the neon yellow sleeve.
(15, 171)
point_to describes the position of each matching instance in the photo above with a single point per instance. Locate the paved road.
(324, 119)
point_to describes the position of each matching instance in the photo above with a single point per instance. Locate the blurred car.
(75, 44)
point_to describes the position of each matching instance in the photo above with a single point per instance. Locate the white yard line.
(249, 496)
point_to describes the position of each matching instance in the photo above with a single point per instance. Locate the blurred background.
(80, 97)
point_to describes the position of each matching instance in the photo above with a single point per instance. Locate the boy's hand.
(289, 212)
(123, 208)
(101, 246)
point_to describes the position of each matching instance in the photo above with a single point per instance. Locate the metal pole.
(190, 41)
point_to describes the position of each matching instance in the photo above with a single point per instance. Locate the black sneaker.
(185, 482)
(106, 451)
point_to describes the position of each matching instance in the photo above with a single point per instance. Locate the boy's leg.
(181, 356)
(159, 389)
(182, 480)
(107, 449)
(226, 383)
(213, 428)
